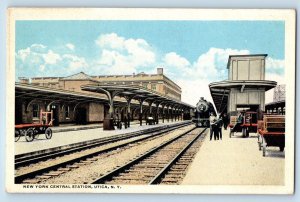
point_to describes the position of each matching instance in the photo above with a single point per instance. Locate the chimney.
(160, 70)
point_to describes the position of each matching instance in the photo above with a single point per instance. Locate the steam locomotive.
(202, 112)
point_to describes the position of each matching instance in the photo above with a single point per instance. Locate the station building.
(278, 104)
(245, 87)
(71, 103)
(159, 82)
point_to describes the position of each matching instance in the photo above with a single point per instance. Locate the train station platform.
(236, 161)
(68, 135)
(73, 127)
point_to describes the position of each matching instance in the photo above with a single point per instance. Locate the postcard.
(139, 100)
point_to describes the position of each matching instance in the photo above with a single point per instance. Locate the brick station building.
(70, 104)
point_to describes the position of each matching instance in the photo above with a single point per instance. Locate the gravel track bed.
(144, 171)
(49, 162)
(107, 162)
(174, 175)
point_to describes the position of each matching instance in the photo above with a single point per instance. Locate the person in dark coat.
(211, 122)
(125, 122)
(225, 121)
(219, 124)
(215, 129)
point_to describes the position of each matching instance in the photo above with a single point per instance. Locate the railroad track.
(46, 172)
(24, 160)
(165, 164)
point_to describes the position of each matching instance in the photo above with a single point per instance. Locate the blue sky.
(193, 53)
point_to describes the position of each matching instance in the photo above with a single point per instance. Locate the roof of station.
(29, 91)
(220, 90)
(275, 104)
(35, 92)
(135, 92)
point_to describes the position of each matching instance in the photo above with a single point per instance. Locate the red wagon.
(32, 131)
(271, 132)
(249, 124)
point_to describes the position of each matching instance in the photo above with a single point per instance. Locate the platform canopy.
(220, 90)
(133, 92)
(32, 92)
(276, 105)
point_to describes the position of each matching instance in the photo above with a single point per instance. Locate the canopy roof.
(34, 92)
(220, 90)
(135, 92)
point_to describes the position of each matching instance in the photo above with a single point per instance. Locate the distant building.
(279, 93)
(156, 82)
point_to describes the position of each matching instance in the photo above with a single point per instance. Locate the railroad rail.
(154, 165)
(61, 167)
(30, 158)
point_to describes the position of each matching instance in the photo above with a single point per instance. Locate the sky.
(192, 53)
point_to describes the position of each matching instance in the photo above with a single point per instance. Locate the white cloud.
(192, 90)
(38, 48)
(51, 57)
(110, 41)
(209, 66)
(122, 56)
(70, 46)
(75, 63)
(174, 60)
(23, 53)
(212, 64)
(40, 60)
(42, 67)
(274, 66)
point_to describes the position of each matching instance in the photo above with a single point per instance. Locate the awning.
(220, 90)
(133, 92)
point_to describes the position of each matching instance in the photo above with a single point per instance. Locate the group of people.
(216, 124)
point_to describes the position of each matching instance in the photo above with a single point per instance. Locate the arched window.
(35, 111)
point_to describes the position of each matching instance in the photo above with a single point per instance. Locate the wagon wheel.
(48, 133)
(17, 135)
(29, 135)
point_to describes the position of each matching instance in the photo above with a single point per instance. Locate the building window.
(67, 111)
(145, 85)
(35, 111)
(153, 87)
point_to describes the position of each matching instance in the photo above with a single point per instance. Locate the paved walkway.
(74, 136)
(235, 161)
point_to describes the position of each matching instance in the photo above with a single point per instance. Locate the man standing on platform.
(219, 124)
(211, 121)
